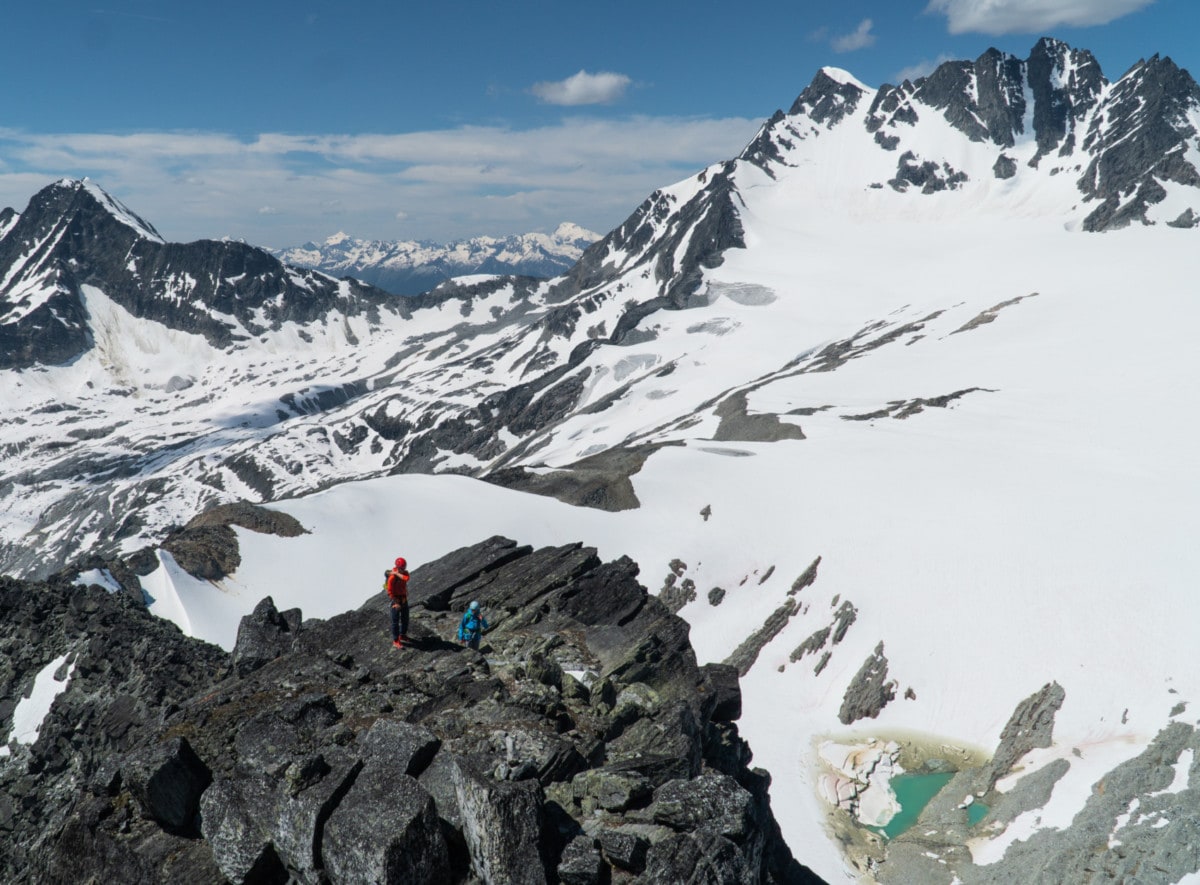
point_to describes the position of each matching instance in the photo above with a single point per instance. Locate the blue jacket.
(473, 623)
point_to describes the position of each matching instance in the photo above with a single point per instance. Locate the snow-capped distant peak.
(838, 75)
(410, 267)
(568, 231)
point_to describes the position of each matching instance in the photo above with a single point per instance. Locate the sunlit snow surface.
(1040, 528)
(31, 712)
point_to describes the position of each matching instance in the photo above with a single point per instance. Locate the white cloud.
(283, 189)
(1029, 16)
(861, 38)
(583, 88)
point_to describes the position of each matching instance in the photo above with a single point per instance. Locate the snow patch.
(32, 711)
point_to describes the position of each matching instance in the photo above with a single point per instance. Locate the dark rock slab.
(502, 823)
(385, 829)
(236, 819)
(869, 691)
(1031, 725)
(168, 780)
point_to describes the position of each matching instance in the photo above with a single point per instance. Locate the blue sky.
(280, 122)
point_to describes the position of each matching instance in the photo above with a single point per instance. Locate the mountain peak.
(830, 97)
(570, 231)
(76, 187)
(844, 77)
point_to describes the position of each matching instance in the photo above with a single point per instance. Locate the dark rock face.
(1142, 143)
(826, 101)
(582, 744)
(652, 237)
(168, 780)
(1066, 83)
(984, 99)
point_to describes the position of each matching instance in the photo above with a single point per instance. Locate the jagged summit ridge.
(1129, 147)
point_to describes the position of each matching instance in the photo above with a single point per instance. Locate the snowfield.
(1038, 528)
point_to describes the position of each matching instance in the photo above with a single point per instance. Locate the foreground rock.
(582, 744)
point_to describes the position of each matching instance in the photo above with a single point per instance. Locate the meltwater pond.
(913, 792)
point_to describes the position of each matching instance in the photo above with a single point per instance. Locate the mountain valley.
(891, 409)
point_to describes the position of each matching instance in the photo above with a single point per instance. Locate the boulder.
(263, 635)
(305, 798)
(167, 780)
(385, 830)
(581, 863)
(711, 801)
(235, 816)
(701, 858)
(502, 824)
(721, 681)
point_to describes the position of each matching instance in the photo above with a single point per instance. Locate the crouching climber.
(472, 626)
(396, 585)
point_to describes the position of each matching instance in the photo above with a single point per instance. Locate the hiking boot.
(397, 643)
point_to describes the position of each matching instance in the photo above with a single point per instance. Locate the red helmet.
(401, 562)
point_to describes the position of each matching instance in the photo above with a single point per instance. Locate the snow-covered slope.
(885, 337)
(410, 267)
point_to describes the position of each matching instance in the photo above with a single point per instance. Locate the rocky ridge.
(74, 235)
(582, 744)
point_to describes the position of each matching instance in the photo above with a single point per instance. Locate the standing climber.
(396, 585)
(472, 625)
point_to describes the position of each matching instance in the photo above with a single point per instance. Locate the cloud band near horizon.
(278, 189)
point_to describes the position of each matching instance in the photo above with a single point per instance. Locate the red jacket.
(397, 585)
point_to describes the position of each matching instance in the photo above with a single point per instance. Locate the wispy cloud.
(281, 189)
(860, 38)
(921, 68)
(1029, 16)
(583, 88)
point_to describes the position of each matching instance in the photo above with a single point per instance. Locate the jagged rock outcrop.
(869, 691)
(583, 743)
(1031, 725)
(207, 546)
(100, 752)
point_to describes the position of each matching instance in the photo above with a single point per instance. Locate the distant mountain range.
(891, 408)
(411, 267)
